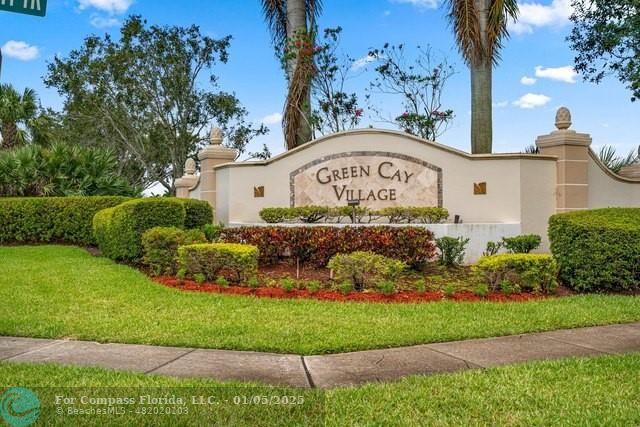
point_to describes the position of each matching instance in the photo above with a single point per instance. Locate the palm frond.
(275, 13)
(500, 12)
(314, 8)
(463, 15)
(609, 157)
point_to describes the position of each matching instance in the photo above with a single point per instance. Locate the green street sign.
(27, 7)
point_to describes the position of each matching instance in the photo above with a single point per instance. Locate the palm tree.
(14, 110)
(480, 26)
(293, 24)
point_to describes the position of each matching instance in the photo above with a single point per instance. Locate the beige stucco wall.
(609, 190)
(520, 188)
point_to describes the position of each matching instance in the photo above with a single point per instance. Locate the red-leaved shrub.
(316, 245)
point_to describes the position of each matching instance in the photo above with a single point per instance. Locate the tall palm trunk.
(481, 90)
(301, 98)
(9, 132)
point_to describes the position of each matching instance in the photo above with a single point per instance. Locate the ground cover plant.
(59, 291)
(533, 394)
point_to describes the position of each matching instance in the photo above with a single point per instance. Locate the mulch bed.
(328, 295)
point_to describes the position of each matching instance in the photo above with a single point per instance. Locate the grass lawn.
(572, 392)
(59, 291)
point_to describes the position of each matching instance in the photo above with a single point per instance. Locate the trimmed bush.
(198, 213)
(235, 262)
(314, 214)
(317, 245)
(365, 269)
(119, 230)
(51, 219)
(160, 248)
(597, 250)
(528, 272)
(522, 244)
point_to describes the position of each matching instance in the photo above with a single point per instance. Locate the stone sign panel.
(375, 179)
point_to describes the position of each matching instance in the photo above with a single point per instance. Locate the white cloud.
(535, 15)
(565, 74)
(99, 21)
(20, 50)
(528, 81)
(532, 100)
(362, 62)
(110, 6)
(428, 4)
(272, 119)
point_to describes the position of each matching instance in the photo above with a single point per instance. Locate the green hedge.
(52, 219)
(160, 247)
(519, 271)
(198, 213)
(119, 230)
(597, 250)
(232, 261)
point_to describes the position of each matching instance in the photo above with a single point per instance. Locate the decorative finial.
(216, 136)
(563, 118)
(190, 166)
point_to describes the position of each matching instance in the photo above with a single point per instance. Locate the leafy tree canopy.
(150, 96)
(606, 38)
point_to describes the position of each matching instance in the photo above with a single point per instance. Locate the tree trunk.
(296, 25)
(9, 135)
(481, 91)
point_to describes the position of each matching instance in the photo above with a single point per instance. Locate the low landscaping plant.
(288, 284)
(198, 213)
(314, 214)
(452, 250)
(213, 232)
(528, 272)
(597, 250)
(119, 230)
(234, 262)
(492, 248)
(522, 244)
(160, 248)
(364, 269)
(52, 219)
(316, 245)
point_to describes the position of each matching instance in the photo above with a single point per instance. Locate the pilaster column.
(188, 181)
(572, 150)
(211, 156)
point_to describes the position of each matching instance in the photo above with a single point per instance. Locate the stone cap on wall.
(446, 148)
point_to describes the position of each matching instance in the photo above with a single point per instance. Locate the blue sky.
(534, 78)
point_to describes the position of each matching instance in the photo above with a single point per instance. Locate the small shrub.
(345, 288)
(212, 232)
(275, 215)
(529, 272)
(233, 261)
(253, 283)
(493, 248)
(420, 286)
(508, 288)
(522, 244)
(597, 250)
(160, 248)
(364, 268)
(452, 250)
(481, 290)
(387, 287)
(288, 284)
(199, 278)
(450, 290)
(181, 275)
(313, 286)
(222, 281)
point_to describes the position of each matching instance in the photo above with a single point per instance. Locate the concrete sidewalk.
(330, 370)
